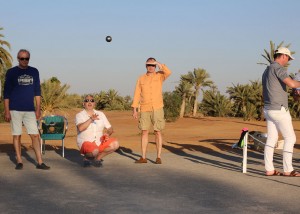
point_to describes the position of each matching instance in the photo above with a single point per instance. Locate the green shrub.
(172, 102)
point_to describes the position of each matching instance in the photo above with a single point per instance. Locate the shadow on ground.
(222, 157)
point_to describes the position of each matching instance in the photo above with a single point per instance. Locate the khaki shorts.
(29, 120)
(155, 118)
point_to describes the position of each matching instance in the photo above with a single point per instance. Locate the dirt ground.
(194, 134)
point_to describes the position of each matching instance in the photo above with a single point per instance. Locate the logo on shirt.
(25, 80)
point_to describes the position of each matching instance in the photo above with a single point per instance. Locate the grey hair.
(23, 50)
(88, 95)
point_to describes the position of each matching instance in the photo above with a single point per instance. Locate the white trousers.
(279, 121)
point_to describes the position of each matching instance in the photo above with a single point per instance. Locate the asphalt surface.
(186, 182)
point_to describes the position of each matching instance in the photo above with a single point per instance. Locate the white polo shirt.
(95, 129)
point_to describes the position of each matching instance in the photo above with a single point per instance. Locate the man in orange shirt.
(148, 97)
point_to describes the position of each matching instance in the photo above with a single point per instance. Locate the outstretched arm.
(291, 83)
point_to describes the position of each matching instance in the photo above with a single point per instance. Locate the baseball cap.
(284, 50)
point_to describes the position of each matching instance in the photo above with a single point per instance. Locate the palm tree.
(114, 101)
(294, 107)
(198, 78)
(101, 100)
(5, 57)
(269, 56)
(111, 100)
(127, 102)
(74, 100)
(256, 87)
(214, 104)
(247, 100)
(53, 96)
(184, 89)
(240, 96)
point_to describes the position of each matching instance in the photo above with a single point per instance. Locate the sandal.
(293, 173)
(275, 173)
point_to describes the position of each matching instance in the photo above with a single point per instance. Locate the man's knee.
(115, 145)
(158, 133)
(16, 137)
(112, 147)
(35, 137)
(145, 132)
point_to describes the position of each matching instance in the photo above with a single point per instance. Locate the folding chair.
(53, 127)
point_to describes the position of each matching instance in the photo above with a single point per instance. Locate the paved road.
(191, 182)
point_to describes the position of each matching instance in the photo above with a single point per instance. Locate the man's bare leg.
(158, 140)
(17, 146)
(144, 143)
(112, 148)
(36, 147)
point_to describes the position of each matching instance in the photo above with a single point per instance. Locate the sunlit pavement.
(186, 182)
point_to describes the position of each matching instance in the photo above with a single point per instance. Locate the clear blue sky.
(67, 38)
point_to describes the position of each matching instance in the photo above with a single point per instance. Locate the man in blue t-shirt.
(21, 88)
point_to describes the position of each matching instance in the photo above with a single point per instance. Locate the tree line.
(242, 100)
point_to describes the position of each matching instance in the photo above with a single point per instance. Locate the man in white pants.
(274, 80)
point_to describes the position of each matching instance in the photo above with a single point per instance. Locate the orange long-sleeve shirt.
(148, 90)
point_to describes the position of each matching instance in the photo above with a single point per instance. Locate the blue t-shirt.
(21, 86)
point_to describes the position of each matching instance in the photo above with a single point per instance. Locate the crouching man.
(93, 144)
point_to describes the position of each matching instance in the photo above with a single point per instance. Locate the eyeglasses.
(150, 65)
(23, 59)
(89, 100)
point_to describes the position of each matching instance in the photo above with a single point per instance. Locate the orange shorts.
(89, 147)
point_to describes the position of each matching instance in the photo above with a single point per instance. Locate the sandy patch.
(194, 134)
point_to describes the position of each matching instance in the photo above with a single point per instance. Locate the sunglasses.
(23, 59)
(150, 65)
(89, 100)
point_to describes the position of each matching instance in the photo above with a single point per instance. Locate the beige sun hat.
(284, 50)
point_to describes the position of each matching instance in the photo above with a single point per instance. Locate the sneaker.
(86, 163)
(42, 166)
(98, 163)
(158, 161)
(141, 160)
(19, 166)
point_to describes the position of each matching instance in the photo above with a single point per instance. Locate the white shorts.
(29, 120)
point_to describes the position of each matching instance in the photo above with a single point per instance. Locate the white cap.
(284, 50)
